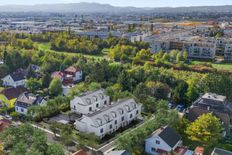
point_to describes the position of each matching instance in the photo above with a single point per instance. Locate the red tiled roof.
(57, 74)
(198, 150)
(12, 92)
(80, 152)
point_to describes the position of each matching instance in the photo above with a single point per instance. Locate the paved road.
(112, 145)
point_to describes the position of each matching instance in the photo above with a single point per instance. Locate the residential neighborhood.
(122, 78)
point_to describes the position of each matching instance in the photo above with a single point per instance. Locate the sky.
(136, 3)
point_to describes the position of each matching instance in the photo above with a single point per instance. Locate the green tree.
(205, 130)
(30, 72)
(45, 80)
(178, 94)
(55, 87)
(124, 80)
(55, 149)
(33, 84)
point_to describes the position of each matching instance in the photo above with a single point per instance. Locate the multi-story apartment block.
(228, 52)
(200, 49)
(110, 118)
(158, 46)
(89, 102)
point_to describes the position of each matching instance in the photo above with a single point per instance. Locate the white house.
(110, 118)
(162, 141)
(74, 73)
(89, 102)
(14, 80)
(25, 100)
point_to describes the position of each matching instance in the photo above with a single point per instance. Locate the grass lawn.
(225, 66)
(47, 48)
(221, 66)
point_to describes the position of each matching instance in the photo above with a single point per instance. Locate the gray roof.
(91, 96)
(218, 151)
(169, 135)
(28, 99)
(17, 76)
(215, 97)
(108, 113)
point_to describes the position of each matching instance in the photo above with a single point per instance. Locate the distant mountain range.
(96, 7)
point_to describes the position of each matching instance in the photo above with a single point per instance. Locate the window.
(90, 108)
(111, 126)
(157, 142)
(131, 115)
(74, 107)
(137, 112)
(97, 105)
(105, 102)
(153, 149)
(123, 118)
(22, 110)
(115, 122)
(101, 131)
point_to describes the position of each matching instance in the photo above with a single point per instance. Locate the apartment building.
(109, 118)
(200, 49)
(90, 102)
(228, 52)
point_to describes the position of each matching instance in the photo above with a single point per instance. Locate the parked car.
(8, 117)
(180, 107)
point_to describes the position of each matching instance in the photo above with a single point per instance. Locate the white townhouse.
(110, 118)
(14, 80)
(89, 102)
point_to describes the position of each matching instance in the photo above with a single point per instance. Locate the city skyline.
(134, 3)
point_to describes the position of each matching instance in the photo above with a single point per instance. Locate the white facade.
(78, 76)
(8, 81)
(228, 52)
(155, 144)
(89, 102)
(21, 110)
(110, 118)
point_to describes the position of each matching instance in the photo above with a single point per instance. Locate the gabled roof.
(90, 97)
(218, 151)
(29, 99)
(12, 92)
(108, 113)
(57, 74)
(17, 76)
(195, 112)
(168, 134)
(71, 69)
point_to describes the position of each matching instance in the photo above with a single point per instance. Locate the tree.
(45, 80)
(1, 149)
(54, 128)
(30, 72)
(4, 70)
(55, 87)
(124, 80)
(185, 55)
(178, 94)
(55, 149)
(205, 130)
(33, 84)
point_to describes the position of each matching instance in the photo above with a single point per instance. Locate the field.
(47, 48)
(219, 66)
